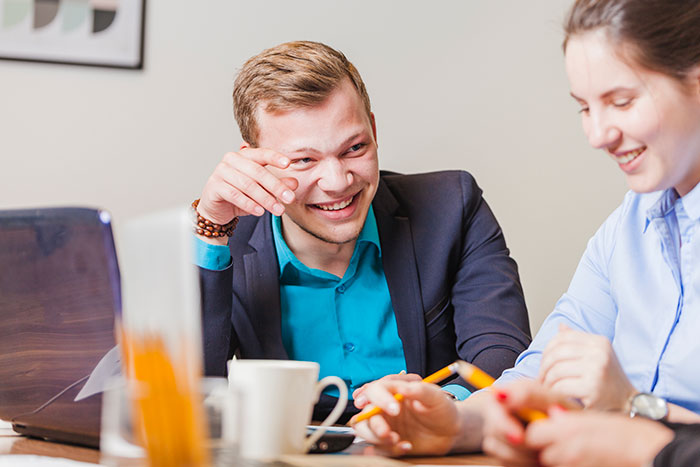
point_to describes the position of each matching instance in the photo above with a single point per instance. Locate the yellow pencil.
(471, 374)
(436, 377)
(480, 380)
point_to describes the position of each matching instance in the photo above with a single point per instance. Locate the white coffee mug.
(279, 398)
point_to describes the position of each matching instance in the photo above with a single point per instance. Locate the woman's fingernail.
(405, 446)
(501, 396)
(514, 439)
(560, 408)
(360, 400)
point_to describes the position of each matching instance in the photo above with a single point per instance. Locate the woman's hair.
(660, 35)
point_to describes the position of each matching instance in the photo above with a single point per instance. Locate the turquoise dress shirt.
(346, 324)
(638, 284)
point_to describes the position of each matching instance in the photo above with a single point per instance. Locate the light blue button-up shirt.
(638, 284)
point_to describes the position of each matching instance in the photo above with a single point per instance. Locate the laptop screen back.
(59, 293)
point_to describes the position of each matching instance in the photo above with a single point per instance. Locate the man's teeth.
(336, 206)
(629, 156)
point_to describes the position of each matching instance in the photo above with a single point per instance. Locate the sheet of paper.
(339, 460)
(334, 429)
(15, 460)
(106, 371)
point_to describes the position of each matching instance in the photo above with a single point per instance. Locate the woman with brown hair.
(623, 338)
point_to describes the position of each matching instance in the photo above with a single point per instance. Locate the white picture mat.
(118, 45)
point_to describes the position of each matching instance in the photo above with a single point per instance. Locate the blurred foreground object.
(160, 334)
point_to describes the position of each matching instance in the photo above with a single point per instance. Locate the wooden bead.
(208, 228)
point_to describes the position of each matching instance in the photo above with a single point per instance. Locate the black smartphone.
(333, 440)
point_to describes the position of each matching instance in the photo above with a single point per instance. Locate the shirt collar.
(663, 205)
(691, 203)
(368, 234)
(667, 201)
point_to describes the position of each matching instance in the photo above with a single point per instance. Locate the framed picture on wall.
(83, 32)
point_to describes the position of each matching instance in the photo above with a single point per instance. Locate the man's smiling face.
(333, 150)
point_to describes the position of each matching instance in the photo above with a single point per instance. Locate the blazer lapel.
(400, 269)
(262, 286)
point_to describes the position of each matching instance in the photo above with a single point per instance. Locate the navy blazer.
(454, 288)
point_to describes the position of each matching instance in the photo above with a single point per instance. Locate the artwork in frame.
(82, 32)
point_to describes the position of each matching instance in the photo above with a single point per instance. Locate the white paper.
(15, 460)
(107, 369)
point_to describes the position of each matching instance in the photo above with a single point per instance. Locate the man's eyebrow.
(306, 149)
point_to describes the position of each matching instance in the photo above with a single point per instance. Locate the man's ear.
(374, 126)
(244, 145)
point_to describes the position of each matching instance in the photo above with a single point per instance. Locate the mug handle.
(335, 413)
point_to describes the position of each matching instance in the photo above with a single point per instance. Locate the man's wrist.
(470, 425)
(205, 227)
(210, 256)
(213, 240)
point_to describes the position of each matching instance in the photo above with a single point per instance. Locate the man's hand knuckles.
(230, 159)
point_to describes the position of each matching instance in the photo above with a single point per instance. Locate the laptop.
(59, 293)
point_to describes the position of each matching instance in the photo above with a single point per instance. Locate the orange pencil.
(436, 377)
(472, 374)
(480, 379)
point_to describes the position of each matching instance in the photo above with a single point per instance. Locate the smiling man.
(367, 273)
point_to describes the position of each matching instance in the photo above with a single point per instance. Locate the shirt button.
(341, 288)
(349, 347)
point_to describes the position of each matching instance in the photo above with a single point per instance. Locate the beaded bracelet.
(208, 228)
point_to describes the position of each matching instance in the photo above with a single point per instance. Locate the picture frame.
(105, 33)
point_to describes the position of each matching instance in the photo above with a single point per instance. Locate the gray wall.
(475, 85)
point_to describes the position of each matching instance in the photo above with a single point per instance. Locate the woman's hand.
(504, 430)
(584, 366)
(596, 439)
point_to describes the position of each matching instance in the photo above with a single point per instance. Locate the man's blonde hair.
(288, 76)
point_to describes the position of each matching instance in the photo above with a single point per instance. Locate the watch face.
(649, 406)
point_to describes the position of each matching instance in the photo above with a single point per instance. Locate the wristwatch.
(648, 406)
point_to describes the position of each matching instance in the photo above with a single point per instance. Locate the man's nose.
(334, 176)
